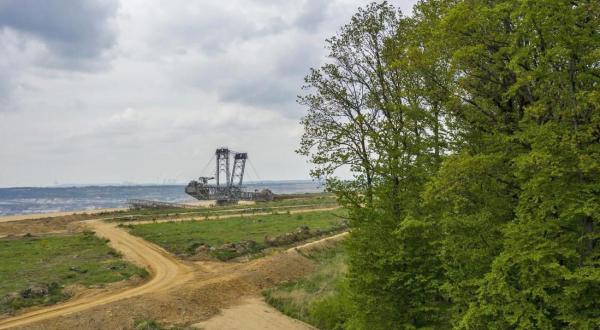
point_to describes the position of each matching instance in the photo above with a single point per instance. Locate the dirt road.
(165, 272)
(252, 314)
(172, 281)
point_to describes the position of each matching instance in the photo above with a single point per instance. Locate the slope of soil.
(20, 217)
(43, 226)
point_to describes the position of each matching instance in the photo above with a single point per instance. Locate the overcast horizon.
(114, 91)
(126, 183)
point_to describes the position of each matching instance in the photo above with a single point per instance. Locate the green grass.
(183, 237)
(315, 299)
(283, 204)
(152, 325)
(56, 261)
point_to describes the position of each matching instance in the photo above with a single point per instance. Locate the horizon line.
(132, 184)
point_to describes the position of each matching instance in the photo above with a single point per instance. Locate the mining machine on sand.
(228, 188)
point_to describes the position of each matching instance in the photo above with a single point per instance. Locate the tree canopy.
(472, 129)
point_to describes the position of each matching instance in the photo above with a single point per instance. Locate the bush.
(146, 325)
(331, 313)
(41, 294)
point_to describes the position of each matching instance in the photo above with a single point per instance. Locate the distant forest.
(472, 129)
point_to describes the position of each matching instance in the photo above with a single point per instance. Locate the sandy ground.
(44, 226)
(178, 292)
(252, 314)
(19, 217)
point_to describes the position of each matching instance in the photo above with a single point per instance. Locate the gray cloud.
(313, 14)
(254, 60)
(74, 31)
(259, 92)
(210, 27)
(179, 78)
(276, 86)
(5, 87)
(52, 35)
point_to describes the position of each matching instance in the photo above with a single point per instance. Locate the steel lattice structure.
(228, 186)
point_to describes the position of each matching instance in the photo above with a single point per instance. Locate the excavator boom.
(228, 186)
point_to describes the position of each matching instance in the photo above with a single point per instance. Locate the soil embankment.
(19, 217)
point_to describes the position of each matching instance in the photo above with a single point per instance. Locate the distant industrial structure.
(228, 186)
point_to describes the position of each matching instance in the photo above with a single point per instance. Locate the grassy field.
(183, 237)
(310, 299)
(284, 203)
(48, 263)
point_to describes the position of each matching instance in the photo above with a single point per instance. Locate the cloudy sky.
(113, 91)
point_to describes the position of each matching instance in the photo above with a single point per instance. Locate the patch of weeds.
(320, 299)
(224, 255)
(38, 294)
(115, 254)
(152, 325)
(89, 234)
(146, 325)
(193, 245)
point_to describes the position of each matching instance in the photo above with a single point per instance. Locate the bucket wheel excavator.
(229, 176)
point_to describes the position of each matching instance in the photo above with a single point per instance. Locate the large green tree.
(472, 129)
(518, 201)
(369, 109)
(541, 89)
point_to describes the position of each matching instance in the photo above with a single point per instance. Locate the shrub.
(331, 313)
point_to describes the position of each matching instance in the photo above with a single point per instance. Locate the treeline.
(472, 129)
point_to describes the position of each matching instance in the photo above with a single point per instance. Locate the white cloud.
(130, 115)
(157, 87)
